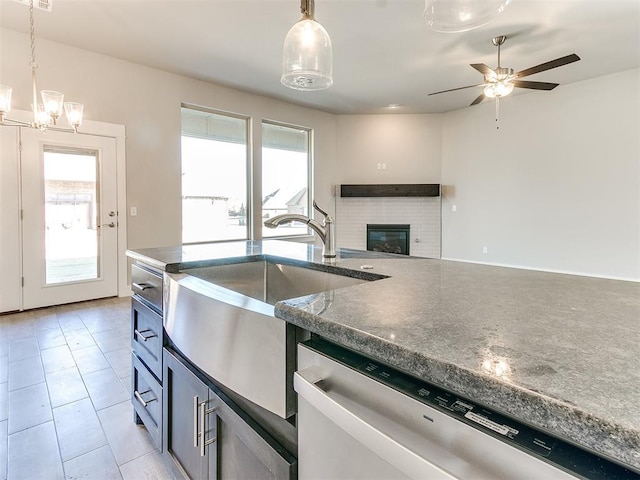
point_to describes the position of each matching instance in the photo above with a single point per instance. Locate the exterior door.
(69, 217)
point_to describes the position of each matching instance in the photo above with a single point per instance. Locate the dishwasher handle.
(396, 454)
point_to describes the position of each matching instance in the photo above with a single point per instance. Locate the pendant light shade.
(307, 56)
(450, 16)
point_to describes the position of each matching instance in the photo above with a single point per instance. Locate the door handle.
(110, 225)
(204, 411)
(200, 412)
(196, 434)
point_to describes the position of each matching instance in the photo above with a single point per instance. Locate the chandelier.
(46, 113)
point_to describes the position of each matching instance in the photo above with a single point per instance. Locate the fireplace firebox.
(388, 238)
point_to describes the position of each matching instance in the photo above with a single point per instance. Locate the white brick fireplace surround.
(421, 213)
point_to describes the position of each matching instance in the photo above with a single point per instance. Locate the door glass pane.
(214, 177)
(285, 176)
(71, 215)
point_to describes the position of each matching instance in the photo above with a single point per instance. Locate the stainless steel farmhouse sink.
(222, 319)
(271, 282)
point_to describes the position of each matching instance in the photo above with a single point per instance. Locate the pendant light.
(50, 110)
(450, 16)
(307, 55)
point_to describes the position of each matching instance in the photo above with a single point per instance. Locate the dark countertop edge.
(554, 416)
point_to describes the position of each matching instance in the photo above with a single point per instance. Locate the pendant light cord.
(32, 36)
(34, 66)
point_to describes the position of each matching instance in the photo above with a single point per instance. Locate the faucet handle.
(315, 205)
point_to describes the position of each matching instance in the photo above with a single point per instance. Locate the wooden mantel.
(391, 190)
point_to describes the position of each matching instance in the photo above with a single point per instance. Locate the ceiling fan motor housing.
(500, 74)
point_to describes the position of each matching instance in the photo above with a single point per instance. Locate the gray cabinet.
(189, 425)
(146, 344)
(209, 437)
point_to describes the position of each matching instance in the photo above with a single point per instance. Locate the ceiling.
(383, 51)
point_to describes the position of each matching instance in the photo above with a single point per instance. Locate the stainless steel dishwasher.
(359, 419)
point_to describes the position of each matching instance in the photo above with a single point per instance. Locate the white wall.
(410, 145)
(147, 101)
(556, 188)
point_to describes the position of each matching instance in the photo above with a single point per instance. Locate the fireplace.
(388, 238)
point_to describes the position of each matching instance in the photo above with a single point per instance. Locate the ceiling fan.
(501, 81)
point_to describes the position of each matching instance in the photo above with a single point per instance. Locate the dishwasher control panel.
(556, 451)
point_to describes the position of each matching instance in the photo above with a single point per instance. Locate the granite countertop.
(560, 352)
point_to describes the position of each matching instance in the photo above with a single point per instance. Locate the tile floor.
(65, 412)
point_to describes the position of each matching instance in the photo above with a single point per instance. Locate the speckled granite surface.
(560, 352)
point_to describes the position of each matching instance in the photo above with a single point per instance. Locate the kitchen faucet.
(325, 231)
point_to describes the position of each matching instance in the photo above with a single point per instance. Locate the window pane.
(214, 177)
(71, 206)
(285, 176)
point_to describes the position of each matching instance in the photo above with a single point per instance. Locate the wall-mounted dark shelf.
(391, 190)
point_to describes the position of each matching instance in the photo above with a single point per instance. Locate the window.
(71, 195)
(286, 179)
(214, 176)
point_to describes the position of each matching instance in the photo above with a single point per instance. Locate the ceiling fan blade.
(558, 62)
(482, 68)
(534, 85)
(480, 98)
(459, 88)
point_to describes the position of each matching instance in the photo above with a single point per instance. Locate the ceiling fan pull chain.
(497, 113)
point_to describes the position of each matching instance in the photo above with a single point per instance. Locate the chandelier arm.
(9, 122)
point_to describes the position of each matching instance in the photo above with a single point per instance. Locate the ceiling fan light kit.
(50, 110)
(501, 81)
(452, 16)
(307, 55)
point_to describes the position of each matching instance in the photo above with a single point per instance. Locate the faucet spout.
(325, 230)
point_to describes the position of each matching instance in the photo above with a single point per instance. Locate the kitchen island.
(559, 352)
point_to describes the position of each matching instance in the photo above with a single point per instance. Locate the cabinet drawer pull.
(144, 403)
(195, 422)
(203, 414)
(141, 286)
(140, 333)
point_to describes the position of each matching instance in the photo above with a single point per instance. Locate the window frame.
(310, 176)
(248, 132)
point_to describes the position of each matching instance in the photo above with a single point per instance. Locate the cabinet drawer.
(146, 336)
(147, 400)
(148, 285)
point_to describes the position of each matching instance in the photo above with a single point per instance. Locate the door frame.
(117, 132)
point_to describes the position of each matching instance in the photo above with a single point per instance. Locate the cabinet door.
(245, 450)
(184, 395)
